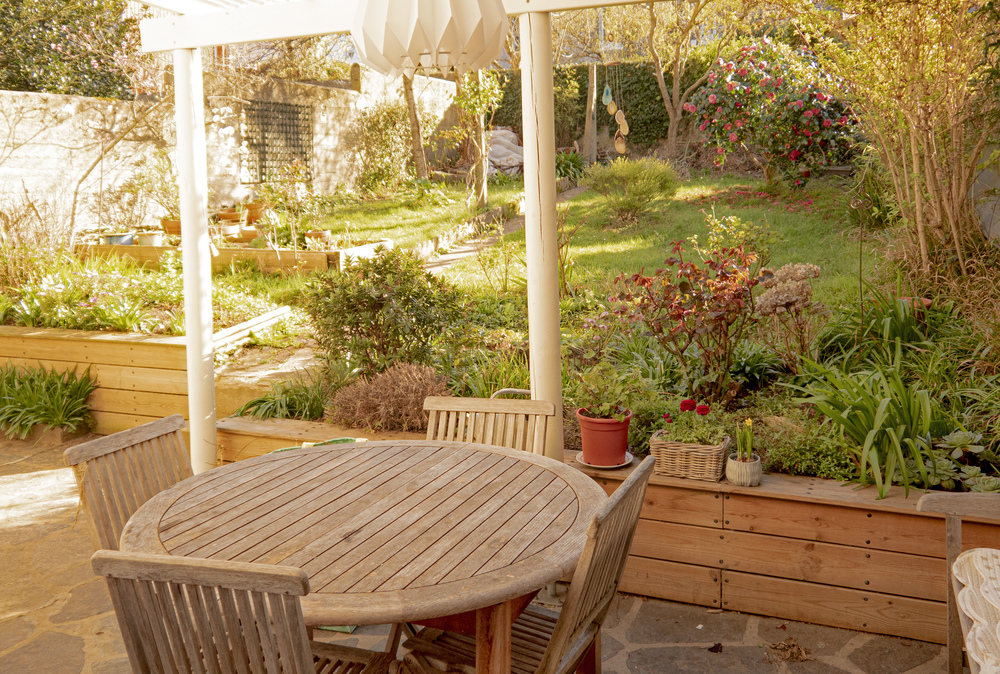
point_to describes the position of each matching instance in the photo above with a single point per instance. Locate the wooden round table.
(387, 531)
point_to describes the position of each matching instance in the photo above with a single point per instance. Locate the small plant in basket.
(743, 467)
(691, 442)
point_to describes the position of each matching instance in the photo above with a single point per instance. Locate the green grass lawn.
(811, 225)
(409, 219)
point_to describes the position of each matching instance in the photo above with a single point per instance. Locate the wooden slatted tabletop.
(387, 531)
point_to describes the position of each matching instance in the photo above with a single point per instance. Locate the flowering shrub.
(777, 101)
(686, 303)
(794, 317)
(689, 421)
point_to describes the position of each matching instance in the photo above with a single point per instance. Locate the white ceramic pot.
(743, 473)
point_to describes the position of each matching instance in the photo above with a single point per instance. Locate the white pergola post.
(192, 170)
(541, 236)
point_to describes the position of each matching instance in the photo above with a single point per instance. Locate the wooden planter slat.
(796, 548)
(676, 582)
(42, 346)
(839, 607)
(139, 403)
(119, 377)
(685, 506)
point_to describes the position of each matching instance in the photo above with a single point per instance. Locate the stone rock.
(89, 599)
(48, 653)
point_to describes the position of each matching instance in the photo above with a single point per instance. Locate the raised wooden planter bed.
(267, 260)
(795, 548)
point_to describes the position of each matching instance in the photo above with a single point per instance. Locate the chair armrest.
(986, 506)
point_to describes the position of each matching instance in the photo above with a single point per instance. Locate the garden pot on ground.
(319, 234)
(171, 226)
(743, 473)
(604, 440)
(150, 238)
(120, 239)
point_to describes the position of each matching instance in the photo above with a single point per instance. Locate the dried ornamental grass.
(390, 401)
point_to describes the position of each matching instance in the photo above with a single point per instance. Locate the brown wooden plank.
(834, 606)
(106, 423)
(141, 403)
(859, 527)
(674, 504)
(674, 582)
(119, 377)
(843, 566)
(123, 352)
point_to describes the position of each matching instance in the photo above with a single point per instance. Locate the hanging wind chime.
(614, 109)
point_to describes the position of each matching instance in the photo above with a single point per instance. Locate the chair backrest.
(120, 472)
(518, 424)
(181, 614)
(600, 568)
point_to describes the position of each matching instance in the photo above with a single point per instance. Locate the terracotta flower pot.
(744, 473)
(604, 440)
(171, 226)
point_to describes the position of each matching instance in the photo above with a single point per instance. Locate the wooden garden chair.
(543, 642)
(118, 473)
(182, 614)
(955, 507)
(518, 424)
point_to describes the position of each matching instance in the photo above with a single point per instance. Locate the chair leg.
(392, 642)
(591, 663)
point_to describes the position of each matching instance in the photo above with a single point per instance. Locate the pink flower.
(720, 150)
(732, 137)
(742, 72)
(778, 82)
(711, 98)
(807, 113)
(827, 123)
(730, 86)
(702, 126)
(821, 97)
(739, 123)
(843, 120)
(719, 109)
(688, 404)
(770, 95)
(727, 127)
(712, 76)
(702, 410)
(798, 104)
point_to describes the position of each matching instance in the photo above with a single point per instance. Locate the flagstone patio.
(55, 617)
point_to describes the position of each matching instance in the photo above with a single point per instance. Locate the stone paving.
(55, 617)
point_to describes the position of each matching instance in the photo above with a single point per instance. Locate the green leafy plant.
(380, 135)
(684, 304)
(605, 392)
(744, 440)
(570, 165)
(630, 186)
(380, 311)
(35, 396)
(887, 421)
(302, 397)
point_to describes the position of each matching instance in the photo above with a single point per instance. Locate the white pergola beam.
(277, 21)
(205, 24)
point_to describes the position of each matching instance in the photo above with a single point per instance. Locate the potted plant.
(160, 181)
(690, 442)
(743, 467)
(605, 394)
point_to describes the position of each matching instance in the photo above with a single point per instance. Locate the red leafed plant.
(708, 304)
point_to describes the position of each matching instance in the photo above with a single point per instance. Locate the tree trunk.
(479, 140)
(590, 127)
(416, 138)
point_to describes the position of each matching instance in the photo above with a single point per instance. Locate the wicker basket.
(684, 459)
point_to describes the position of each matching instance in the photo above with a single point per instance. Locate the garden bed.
(268, 260)
(796, 548)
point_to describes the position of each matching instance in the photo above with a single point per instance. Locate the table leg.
(493, 639)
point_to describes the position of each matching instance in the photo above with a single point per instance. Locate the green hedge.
(640, 96)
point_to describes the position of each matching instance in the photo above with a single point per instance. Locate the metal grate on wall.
(277, 134)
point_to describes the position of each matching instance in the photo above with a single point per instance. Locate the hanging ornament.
(607, 94)
(620, 142)
(620, 116)
(612, 108)
(623, 128)
(399, 36)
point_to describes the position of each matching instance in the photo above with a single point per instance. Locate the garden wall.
(140, 378)
(796, 548)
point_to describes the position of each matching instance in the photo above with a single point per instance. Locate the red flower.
(732, 137)
(687, 405)
(711, 98)
(702, 410)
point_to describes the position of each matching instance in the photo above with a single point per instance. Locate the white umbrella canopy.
(400, 36)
